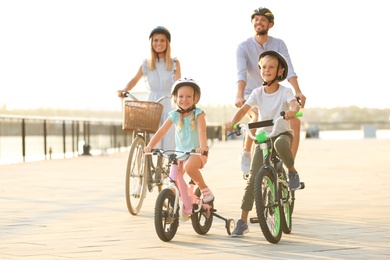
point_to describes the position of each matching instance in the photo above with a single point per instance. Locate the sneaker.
(207, 195)
(245, 159)
(294, 182)
(240, 230)
(136, 192)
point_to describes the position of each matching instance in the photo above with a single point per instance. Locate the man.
(249, 77)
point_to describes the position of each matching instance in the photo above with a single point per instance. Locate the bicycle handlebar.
(263, 136)
(126, 94)
(171, 154)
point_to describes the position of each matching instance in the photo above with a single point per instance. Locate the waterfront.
(10, 147)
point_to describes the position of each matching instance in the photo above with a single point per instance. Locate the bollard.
(86, 149)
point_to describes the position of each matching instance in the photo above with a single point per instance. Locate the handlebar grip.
(299, 114)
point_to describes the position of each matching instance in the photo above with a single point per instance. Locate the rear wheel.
(166, 221)
(267, 208)
(136, 176)
(203, 219)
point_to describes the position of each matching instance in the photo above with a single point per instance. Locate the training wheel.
(230, 225)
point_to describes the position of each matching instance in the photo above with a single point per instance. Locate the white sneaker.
(136, 192)
(245, 159)
(207, 195)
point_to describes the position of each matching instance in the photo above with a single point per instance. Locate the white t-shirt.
(270, 105)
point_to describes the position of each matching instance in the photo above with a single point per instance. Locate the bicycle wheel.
(286, 203)
(286, 199)
(202, 220)
(166, 221)
(161, 174)
(136, 176)
(267, 209)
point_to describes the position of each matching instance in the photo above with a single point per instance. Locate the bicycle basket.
(141, 116)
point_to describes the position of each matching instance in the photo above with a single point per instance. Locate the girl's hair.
(154, 56)
(192, 120)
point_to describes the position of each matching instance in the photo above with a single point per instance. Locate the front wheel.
(203, 219)
(287, 202)
(136, 176)
(267, 208)
(166, 221)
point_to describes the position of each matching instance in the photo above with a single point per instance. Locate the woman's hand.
(147, 149)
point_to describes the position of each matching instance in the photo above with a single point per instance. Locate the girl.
(190, 131)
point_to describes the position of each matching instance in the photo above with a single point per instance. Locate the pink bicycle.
(179, 201)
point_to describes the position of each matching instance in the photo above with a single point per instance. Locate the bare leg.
(191, 167)
(249, 141)
(244, 216)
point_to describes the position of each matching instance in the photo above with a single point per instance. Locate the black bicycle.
(274, 201)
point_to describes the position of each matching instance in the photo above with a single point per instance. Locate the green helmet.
(161, 29)
(263, 11)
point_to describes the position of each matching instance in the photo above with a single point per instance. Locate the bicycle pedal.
(254, 220)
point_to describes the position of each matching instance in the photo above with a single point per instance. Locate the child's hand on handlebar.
(290, 114)
(229, 126)
(202, 151)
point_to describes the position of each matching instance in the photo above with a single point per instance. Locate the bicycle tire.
(285, 200)
(136, 176)
(155, 165)
(166, 221)
(202, 220)
(286, 209)
(267, 209)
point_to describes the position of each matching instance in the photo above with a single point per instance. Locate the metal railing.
(24, 138)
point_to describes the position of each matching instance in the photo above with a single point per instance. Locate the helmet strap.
(183, 111)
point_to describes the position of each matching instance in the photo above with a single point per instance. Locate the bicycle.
(179, 201)
(273, 199)
(141, 119)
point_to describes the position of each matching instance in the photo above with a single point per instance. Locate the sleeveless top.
(159, 83)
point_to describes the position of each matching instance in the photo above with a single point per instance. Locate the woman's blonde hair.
(154, 55)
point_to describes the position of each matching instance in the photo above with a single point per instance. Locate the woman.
(159, 72)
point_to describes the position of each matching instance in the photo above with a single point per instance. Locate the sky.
(75, 54)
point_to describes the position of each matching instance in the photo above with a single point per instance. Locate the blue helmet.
(161, 29)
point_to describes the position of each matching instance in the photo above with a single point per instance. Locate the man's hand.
(240, 101)
(302, 99)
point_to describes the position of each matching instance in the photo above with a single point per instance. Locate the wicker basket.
(141, 116)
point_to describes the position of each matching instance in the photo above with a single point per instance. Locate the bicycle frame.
(186, 192)
(274, 203)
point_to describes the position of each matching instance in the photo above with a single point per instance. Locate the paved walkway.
(76, 209)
